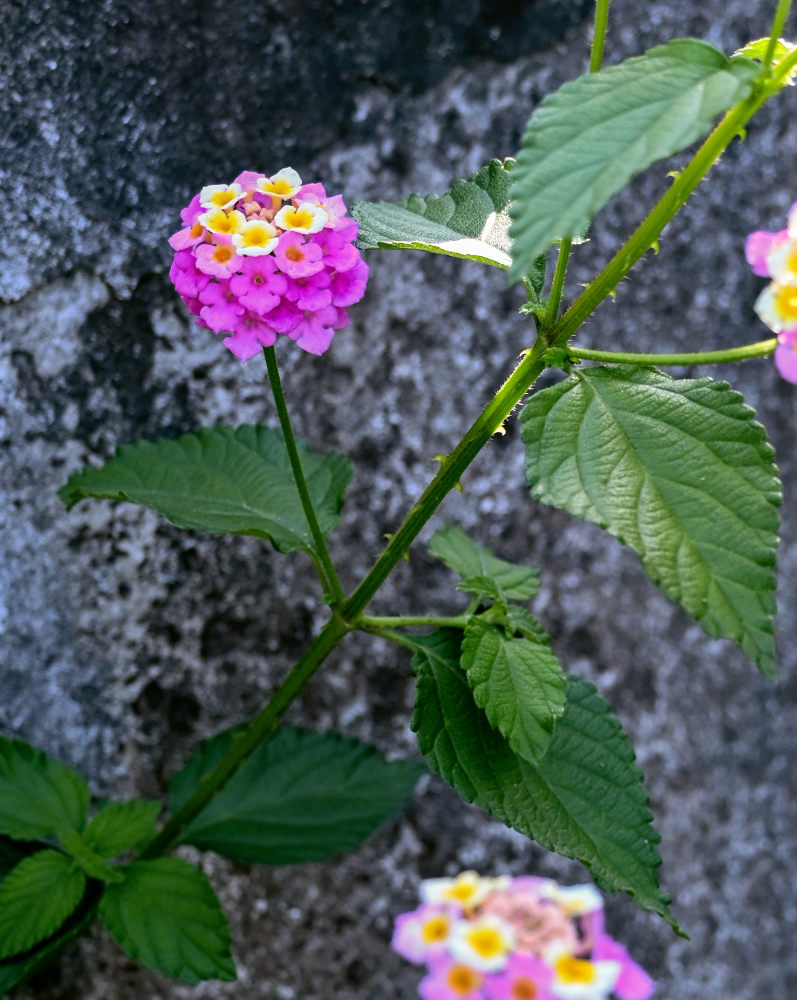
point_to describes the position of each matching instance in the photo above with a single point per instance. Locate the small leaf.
(38, 796)
(484, 574)
(36, 897)
(222, 479)
(589, 138)
(519, 684)
(585, 799)
(121, 825)
(300, 797)
(469, 221)
(680, 471)
(166, 916)
(518, 620)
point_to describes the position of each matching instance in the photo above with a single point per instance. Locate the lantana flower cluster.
(521, 938)
(774, 255)
(265, 256)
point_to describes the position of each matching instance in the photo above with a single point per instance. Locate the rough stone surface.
(124, 641)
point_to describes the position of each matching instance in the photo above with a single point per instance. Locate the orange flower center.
(463, 980)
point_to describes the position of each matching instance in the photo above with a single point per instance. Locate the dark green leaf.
(13, 851)
(468, 221)
(166, 916)
(585, 800)
(589, 138)
(519, 684)
(222, 479)
(302, 796)
(121, 825)
(38, 796)
(681, 472)
(36, 897)
(483, 574)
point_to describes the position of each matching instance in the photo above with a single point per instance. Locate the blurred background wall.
(124, 641)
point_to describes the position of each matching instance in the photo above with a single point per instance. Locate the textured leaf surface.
(681, 472)
(12, 852)
(482, 572)
(36, 897)
(166, 916)
(302, 796)
(590, 137)
(38, 796)
(121, 825)
(222, 479)
(519, 684)
(585, 800)
(468, 221)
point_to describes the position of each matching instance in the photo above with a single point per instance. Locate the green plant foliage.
(121, 825)
(584, 800)
(166, 916)
(517, 620)
(12, 852)
(519, 684)
(483, 574)
(590, 137)
(681, 472)
(222, 479)
(36, 897)
(300, 797)
(38, 796)
(469, 221)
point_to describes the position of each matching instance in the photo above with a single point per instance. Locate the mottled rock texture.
(124, 641)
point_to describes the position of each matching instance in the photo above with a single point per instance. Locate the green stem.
(411, 621)
(249, 739)
(595, 62)
(759, 350)
(599, 35)
(329, 577)
(778, 21)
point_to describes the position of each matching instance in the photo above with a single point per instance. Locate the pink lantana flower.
(452, 980)
(267, 256)
(633, 983)
(421, 935)
(774, 255)
(525, 978)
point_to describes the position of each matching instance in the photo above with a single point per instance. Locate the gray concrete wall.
(124, 641)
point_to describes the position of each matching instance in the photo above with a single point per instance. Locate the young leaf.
(222, 479)
(166, 916)
(681, 472)
(121, 825)
(36, 897)
(519, 684)
(38, 796)
(483, 573)
(469, 221)
(584, 800)
(302, 796)
(589, 138)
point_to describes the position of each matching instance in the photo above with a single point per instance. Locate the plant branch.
(329, 577)
(778, 22)
(758, 350)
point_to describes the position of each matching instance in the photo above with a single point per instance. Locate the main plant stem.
(454, 465)
(758, 350)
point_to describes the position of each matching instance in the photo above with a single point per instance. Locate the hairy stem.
(778, 21)
(599, 34)
(758, 350)
(329, 577)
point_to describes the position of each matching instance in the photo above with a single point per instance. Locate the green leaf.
(589, 138)
(585, 799)
(518, 620)
(484, 574)
(681, 472)
(519, 684)
(302, 796)
(36, 897)
(222, 479)
(166, 916)
(38, 796)
(469, 221)
(14, 851)
(121, 825)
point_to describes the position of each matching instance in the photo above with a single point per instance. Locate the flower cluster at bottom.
(522, 938)
(774, 255)
(265, 256)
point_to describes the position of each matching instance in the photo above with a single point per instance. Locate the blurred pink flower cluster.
(774, 255)
(265, 256)
(515, 939)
